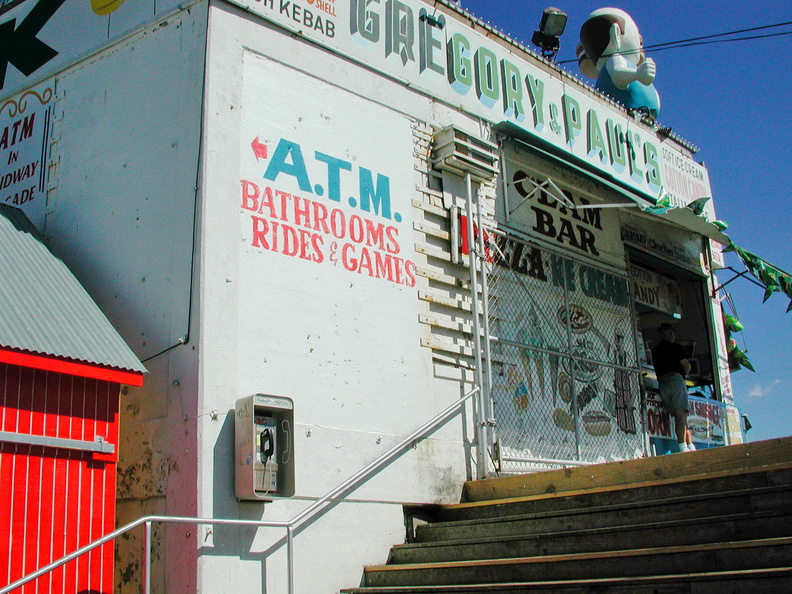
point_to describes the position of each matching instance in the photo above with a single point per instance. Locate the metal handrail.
(289, 525)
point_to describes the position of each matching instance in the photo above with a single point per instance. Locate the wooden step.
(766, 581)
(696, 531)
(629, 514)
(766, 476)
(747, 555)
(627, 472)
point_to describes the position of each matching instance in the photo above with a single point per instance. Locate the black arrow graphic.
(20, 47)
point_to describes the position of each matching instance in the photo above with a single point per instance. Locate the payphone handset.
(263, 457)
(265, 437)
(266, 465)
(286, 450)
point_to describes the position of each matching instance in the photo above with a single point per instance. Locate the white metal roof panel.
(44, 309)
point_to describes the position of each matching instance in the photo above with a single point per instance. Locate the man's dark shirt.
(666, 357)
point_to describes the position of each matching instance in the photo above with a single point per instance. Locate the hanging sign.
(680, 247)
(654, 290)
(24, 132)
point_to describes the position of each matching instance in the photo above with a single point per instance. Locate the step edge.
(734, 457)
(746, 544)
(735, 574)
(611, 488)
(642, 504)
(594, 531)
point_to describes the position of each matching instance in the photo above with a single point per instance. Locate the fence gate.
(563, 369)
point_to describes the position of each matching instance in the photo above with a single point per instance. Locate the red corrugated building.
(62, 365)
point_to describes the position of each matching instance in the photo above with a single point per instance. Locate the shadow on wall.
(234, 540)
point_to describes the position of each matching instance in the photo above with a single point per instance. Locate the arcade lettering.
(18, 178)
(18, 175)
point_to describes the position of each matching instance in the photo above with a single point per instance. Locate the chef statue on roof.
(611, 50)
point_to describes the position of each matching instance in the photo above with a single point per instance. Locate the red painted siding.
(55, 500)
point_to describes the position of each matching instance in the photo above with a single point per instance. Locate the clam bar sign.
(414, 43)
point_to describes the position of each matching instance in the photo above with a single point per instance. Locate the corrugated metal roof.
(44, 309)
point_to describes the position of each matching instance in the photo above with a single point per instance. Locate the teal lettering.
(364, 24)
(573, 122)
(334, 167)
(487, 86)
(653, 175)
(633, 148)
(460, 71)
(399, 31)
(427, 43)
(375, 195)
(536, 94)
(288, 159)
(512, 91)
(595, 139)
(616, 150)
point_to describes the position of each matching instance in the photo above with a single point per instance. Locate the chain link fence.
(565, 380)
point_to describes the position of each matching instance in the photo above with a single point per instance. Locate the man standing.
(671, 365)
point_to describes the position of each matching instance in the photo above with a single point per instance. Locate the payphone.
(264, 442)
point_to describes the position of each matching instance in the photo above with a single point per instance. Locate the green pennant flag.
(771, 277)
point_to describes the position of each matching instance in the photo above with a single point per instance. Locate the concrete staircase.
(716, 521)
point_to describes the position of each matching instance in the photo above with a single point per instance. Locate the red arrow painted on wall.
(259, 149)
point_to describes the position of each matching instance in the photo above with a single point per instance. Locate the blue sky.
(732, 100)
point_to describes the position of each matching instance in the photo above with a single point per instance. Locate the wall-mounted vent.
(462, 153)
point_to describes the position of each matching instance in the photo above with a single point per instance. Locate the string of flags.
(774, 279)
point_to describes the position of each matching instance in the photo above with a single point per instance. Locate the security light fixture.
(551, 27)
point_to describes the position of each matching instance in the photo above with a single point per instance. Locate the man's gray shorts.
(673, 391)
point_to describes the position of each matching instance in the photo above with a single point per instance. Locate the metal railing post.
(147, 558)
(290, 556)
(481, 439)
(486, 396)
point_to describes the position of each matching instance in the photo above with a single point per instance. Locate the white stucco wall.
(340, 340)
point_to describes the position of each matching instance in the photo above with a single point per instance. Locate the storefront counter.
(706, 422)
